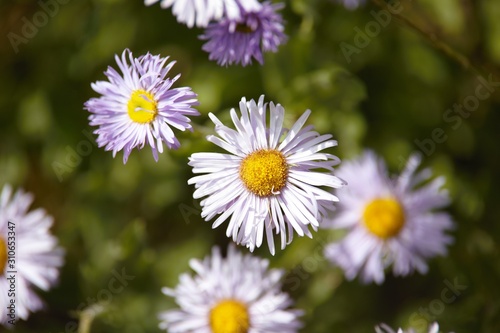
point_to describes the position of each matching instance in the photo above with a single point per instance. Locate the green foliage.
(141, 216)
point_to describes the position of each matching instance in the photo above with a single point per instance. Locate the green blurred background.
(141, 216)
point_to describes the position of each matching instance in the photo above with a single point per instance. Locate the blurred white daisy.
(271, 179)
(236, 294)
(202, 12)
(32, 256)
(139, 106)
(389, 221)
(383, 328)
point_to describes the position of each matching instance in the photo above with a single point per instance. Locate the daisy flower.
(139, 106)
(383, 328)
(29, 255)
(270, 178)
(389, 221)
(236, 294)
(202, 12)
(233, 41)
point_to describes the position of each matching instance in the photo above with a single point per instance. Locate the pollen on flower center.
(384, 217)
(264, 172)
(3, 255)
(142, 107)
(229, 316)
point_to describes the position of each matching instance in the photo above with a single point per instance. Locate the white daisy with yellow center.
(25, 236)
(201, 12)
(236, 294)
(391, 222)
(272, 181)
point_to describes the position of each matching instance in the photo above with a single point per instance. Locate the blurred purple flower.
(351, 4)
(390, 222)
(233, 41)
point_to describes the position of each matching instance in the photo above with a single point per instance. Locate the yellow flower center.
(384, 217)
(264, 172)
(229, 316)
(142, 107)
(3, 255)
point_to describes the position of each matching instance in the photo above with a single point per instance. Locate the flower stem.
(442, 46)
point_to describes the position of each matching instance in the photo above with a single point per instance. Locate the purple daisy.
(139, 106)
(232, 41)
